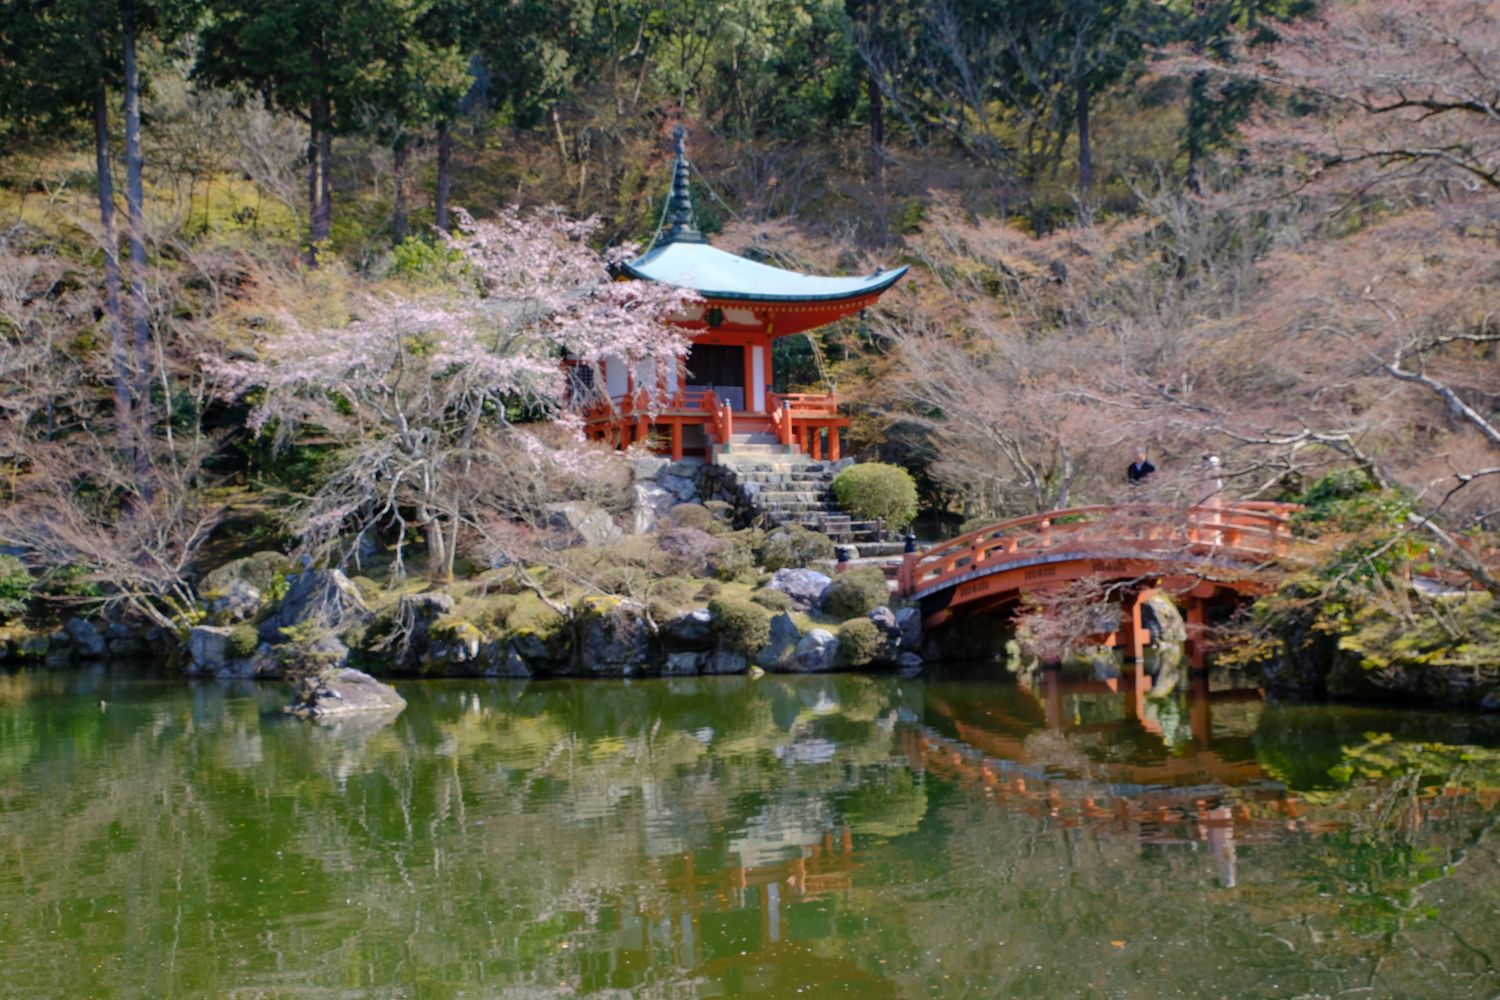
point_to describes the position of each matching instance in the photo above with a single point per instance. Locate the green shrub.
(874, 489)
(859, 641)
(793, 545)
(772, 600)
(69, 581)
(691, 515)
(735, 560)
(243, 641)
(672, 595)
(492, 614)
(425, 262)
(15, 588)
(856, 592)
(739, 625)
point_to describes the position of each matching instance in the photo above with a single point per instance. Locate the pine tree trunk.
(312, 185)
(119, 347)
(398, 221)
(1197, 100)
(319, 183)
(877, 104)
(1085, 153)
(134, 197)
(325, 175)
(444, 173)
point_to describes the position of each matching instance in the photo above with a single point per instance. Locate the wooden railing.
(1245, 529)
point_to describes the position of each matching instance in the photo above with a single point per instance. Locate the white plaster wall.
(615, 381)
(758, 378)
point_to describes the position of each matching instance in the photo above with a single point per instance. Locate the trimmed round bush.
(739, 625)
(242, 641)
(793, 546)
(856, 592)
(875, 489)
(772, 600)
(859, 641)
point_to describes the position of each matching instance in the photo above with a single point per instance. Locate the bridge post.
(907, 581)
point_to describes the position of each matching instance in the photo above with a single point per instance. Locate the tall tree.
(60, 64)
(299, 56)
(1222, 30)
(414, 80)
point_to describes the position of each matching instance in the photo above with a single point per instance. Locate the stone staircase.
(791, 488)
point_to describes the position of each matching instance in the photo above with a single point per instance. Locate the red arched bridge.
(1212, 552)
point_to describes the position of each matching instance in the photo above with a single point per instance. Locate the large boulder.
(452, 643)
(345, 691)
(649, 504)
(405, 638)
(778, 652)
(1161, 617)
(502, 660)
(692, 549)
(582, 523)
(684, 664)
(691, 631)
(324, 595)
(262, 571)
(125, 643)
(683, 487)
(88, 642)
(724, 661)
(239, 601)
(804, 586)
(816, 653)
(613, 638)
(647, 467)
(909, 622)
(208, 649)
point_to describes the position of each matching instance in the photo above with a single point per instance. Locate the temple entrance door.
(720, 368)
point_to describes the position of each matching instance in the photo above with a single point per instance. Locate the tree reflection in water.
(726, 836)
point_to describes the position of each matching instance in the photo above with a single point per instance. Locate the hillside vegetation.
(1263, 229)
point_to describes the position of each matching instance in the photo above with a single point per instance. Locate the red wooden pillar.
(817, 443)
(677, 440)
(833, 443)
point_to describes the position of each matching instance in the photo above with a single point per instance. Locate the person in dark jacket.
(1140, 468)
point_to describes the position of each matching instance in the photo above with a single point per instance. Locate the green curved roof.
(715, 274)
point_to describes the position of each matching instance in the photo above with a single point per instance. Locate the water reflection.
(715, 836)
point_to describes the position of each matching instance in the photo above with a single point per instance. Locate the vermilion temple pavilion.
(721, 398)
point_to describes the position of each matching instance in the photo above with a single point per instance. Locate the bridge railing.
(1251, 529)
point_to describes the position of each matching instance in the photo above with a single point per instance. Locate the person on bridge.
(1140, 468)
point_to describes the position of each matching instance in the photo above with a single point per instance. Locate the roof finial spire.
(680, 227)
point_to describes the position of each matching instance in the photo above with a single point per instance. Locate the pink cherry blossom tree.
(434, 399)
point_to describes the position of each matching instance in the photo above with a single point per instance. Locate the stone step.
(769, 496)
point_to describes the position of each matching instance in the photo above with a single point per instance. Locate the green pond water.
(782, 837)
